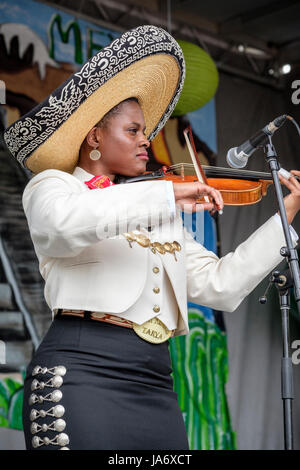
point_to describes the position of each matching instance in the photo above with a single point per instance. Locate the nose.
(144, 142)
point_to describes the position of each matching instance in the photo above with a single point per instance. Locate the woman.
(118, 265)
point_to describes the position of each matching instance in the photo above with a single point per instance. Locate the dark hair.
(115, 110)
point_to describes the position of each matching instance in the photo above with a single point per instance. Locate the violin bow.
(188, 135)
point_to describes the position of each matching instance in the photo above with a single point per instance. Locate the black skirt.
(94, 385)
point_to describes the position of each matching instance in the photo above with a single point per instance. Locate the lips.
(143, 156)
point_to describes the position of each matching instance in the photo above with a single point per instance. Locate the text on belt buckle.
(153, 331)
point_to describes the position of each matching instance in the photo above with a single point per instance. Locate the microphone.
(237, 157)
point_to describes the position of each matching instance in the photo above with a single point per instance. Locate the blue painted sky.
(203, 122)
(37, 16)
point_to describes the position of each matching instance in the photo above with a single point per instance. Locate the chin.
(135, 172)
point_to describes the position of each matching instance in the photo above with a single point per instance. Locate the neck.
(95, 168)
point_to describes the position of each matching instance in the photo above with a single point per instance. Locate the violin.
(238, 187)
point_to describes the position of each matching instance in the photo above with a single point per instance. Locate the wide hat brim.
(146, 63)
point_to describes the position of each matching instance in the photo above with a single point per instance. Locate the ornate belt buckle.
(153, 331)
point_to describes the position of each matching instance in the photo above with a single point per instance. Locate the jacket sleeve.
(223, 283)
(64, 218)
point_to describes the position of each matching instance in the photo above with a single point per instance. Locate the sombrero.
(146, 63)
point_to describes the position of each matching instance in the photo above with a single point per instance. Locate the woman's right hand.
(187, 197)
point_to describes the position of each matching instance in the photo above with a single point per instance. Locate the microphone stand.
(291, 256)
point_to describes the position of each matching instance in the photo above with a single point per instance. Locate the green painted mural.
(200, 368)
(11, 401)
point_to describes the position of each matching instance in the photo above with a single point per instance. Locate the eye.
(133, 130)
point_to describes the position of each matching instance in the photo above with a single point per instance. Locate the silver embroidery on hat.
(58, 425)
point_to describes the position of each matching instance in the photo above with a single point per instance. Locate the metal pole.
(17, 294)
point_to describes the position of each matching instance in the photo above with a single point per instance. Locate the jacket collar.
(82, 175)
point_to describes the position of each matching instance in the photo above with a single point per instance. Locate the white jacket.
(88, 264)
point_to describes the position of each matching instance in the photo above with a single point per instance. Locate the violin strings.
(217, 171)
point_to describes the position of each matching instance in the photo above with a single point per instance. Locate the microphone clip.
(282, 280)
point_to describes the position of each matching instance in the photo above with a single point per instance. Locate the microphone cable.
(290, 118)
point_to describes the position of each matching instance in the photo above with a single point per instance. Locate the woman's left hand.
(292, 200)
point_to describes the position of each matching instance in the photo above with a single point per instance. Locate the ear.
(92, 137)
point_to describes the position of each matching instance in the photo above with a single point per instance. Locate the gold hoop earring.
(95, 154)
